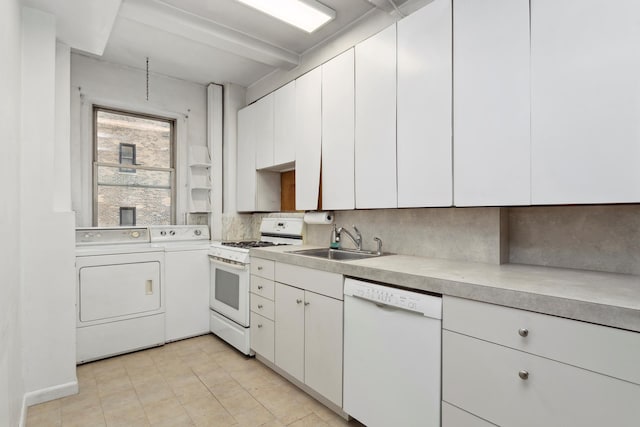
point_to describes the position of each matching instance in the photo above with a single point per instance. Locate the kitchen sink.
(337, 254)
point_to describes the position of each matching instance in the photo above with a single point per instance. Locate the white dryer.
(120, 301)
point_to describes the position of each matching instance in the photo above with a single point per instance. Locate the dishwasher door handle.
(381, 305)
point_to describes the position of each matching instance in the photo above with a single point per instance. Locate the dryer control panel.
(108, 236)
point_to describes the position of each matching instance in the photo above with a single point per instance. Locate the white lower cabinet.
(323, 345)
(289, 317)
(262, 333)
(308, 333)
(262, 308)
(534, 380)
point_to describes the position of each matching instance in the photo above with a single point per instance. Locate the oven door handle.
(223, 262)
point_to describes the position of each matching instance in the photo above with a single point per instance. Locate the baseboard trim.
(50, 393)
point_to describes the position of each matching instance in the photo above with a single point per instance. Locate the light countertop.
(603, 298)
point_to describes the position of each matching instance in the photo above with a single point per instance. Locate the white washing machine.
(120, 292)
(187, 278)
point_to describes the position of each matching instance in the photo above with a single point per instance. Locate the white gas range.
(230, 275)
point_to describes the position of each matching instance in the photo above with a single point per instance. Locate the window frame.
(95, 164)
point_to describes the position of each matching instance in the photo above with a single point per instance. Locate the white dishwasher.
(392, 355)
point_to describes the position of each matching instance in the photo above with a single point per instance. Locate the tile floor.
(201, 381)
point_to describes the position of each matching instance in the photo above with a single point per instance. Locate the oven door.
(229, 294)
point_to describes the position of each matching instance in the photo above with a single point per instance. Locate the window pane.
(127, 216)
(148, 191)
(151, 138)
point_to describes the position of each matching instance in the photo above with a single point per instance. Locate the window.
(127, 216)
(127, 156)
(133, 169)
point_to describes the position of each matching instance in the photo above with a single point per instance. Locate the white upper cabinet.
(284, 125)
(338, 121)
(255, 190)
(262, 125)
(491, 102)
(308, 139)
(424, 107)
(246, 162)
(375, 129)
(585, 101)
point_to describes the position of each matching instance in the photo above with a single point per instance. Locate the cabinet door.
(585, 101)
(375, 135)
(308, 139)
(425, 176)
(323, 346)
(246, 161)
(338, 121)
(263, 131)
(262, 335)
(289, 330)
(491, 102)
(284, 124)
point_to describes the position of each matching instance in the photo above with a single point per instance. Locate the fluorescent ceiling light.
(308, 15)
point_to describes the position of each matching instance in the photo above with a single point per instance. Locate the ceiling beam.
(162, 16)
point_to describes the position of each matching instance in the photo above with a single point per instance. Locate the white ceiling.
(218, 40)
(83, 24)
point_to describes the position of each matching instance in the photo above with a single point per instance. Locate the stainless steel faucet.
(357, 240)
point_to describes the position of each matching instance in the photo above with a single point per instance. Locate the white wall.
(11, 383)
(110, 85)
(46, 229)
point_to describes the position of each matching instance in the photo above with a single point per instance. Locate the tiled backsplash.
(601, 237)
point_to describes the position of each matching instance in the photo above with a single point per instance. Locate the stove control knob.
(135, 234)
(197, 232)
(172, 233)
(163, 233)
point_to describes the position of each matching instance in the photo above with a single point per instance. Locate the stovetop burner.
(251, 244)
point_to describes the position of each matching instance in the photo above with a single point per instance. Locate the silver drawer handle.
(259, 305)
(524, 375)
(298, 301)
(307, 303)
(523, 332)
(259, 268)
(259, 286)
(259, 325)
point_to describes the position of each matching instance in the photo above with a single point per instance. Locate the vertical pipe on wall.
(214, 142)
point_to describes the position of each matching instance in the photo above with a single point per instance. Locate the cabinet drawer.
(262, 306)
(261, 286)
(456, 417)
(262, 267)
(610, 351)
(320, 282)
(484, 378)
(262, 337)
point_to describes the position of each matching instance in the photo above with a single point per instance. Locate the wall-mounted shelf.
(199, 180)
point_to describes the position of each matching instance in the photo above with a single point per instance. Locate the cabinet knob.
(298, 301)
(259, 305)
(259, 325)
(307, 303)
(259, 286)
(523, 332)
(259, 268)
(524, 375)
